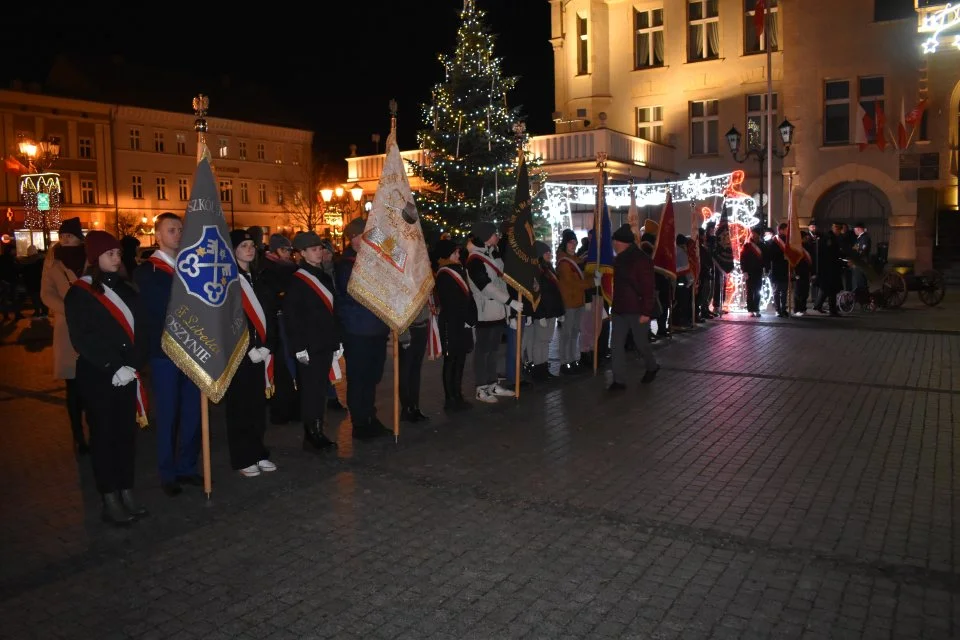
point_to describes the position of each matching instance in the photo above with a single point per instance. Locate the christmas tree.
(470, 146)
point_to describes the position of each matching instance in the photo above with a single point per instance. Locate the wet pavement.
(781, 478)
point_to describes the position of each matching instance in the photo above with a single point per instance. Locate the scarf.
(73, 258)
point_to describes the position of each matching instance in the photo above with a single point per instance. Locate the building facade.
(122, 166)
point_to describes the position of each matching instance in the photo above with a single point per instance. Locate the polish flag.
(902, 127)
(916, 114)
(759, 16)
(880, 131)
(863, 125)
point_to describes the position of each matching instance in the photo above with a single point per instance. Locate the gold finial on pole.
(520, 135)
(393, 116)
(201, 104)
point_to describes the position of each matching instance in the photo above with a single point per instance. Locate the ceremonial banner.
(633, 215)
(521, 267)
(205, 333)
(665, 250)
(793, 250)
(392, 275)
(605, 246)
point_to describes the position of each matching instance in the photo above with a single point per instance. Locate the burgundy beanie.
(97, 243)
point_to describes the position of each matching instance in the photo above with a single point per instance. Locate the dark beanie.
(355, 228)
(238, 236)
(72, 226)
(278, 241)
(624, 234)
(98, 243)
(566, 237)
(305, 240)
(482, 231)
(444, 249)
(540, 248)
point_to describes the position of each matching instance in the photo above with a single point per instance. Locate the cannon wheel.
(894, 289)
(933, 293)
(846, 301)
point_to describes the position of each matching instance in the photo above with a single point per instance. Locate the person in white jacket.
(485, 276)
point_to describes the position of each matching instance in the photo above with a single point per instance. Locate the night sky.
(331, 67)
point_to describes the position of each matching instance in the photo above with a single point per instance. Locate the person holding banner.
(634, 305)
(413, 347)
(537, 339)
(102, 311)
(573, 287)
(252, 384)
(313, 334)
(458, 316)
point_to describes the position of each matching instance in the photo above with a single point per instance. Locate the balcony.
(565, 155)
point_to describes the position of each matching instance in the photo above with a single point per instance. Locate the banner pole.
(396, 387)
(516, 369)
(598, 292)
(205, 440)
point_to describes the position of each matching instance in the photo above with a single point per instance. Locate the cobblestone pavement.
(782, 478)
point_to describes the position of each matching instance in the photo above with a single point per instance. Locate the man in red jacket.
(634, 303)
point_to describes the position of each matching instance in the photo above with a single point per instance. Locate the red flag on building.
(916, 114)
(881, 120)
(665, 251)
(760, 16)
(902, 127)
(862, 127)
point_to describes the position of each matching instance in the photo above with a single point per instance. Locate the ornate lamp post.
(759, 151)
(40, 189)
(337, 204)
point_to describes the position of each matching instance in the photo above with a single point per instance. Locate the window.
(161, 188)
(223, 147)
(836, 112)
(85, 147)
(158, 141)
(583, 47)
(181, 144)
(136, 188)
(648, 41)
(243, 149)
(226, 191)
(296, 155)
(650, 123)
(184, 188)
(703, 34)
(704, 127)
(757, 115)
(134, 139)
(753, 43)
(262, 193)
(88, 192)
(279, 194)
(279, 150)
(871, 99)
(261, 152)
(244, 193)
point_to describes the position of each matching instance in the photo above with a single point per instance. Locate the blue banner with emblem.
(205, 332)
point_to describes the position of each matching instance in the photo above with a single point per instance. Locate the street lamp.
(337, 204)
(759, 151)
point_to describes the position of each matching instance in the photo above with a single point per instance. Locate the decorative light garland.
(32, 186)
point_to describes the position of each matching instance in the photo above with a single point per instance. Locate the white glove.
(467, 326)
(255, 355)
(527, 321)
(303, 357)
(339, 352)
(588, 306)
(597, 278)
(543, 322)
(516, 305)
(124, 376)
(264, 352)
(512, 323)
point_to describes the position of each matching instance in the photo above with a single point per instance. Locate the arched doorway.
(857, 201)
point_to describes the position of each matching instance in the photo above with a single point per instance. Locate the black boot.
(540, 372)
(419, 415)
(313, 437)
(457, 389)
(130, 503)
(113, 511)
(407, 415)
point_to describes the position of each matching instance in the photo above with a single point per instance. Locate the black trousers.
(453, 364)
(285, 403)
(779, 295)
(313, 381)
(75, 410)
(754, 286)
(365, 357)
(112, 417)
(411, 362)
(246, 408)
(800, 294)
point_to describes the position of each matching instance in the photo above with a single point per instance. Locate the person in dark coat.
(801, 276)
(102, 317)
(539, 335)
(634, 301)
(276, 269)
(458, 317)
(751, 264)
(779, 267)
(705, 285)
(130, 246)
(246, 397)
(829, 277)
(313, 334)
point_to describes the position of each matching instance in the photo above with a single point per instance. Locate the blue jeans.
(176, 409)
(365, 356)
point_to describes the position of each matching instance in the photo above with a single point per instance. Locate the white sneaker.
(266, 466)
(497, 390)
(483, 395)
(250, 472)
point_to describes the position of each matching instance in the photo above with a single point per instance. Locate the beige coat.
(53, 287)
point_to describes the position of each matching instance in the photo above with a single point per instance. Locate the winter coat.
(355, 318)
(485, 277)
(633, 283)
(457, 309)
(573, 283)
(54, 285)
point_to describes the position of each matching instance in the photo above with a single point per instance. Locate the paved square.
(790, 479)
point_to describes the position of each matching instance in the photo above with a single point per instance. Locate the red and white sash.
(124, 317)
(254, 311)
(781, 244)
(753, 247)
(314, 283)
(490, 263)
(572, 263)
(161, 261)
(456, 278)
(434, 348)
